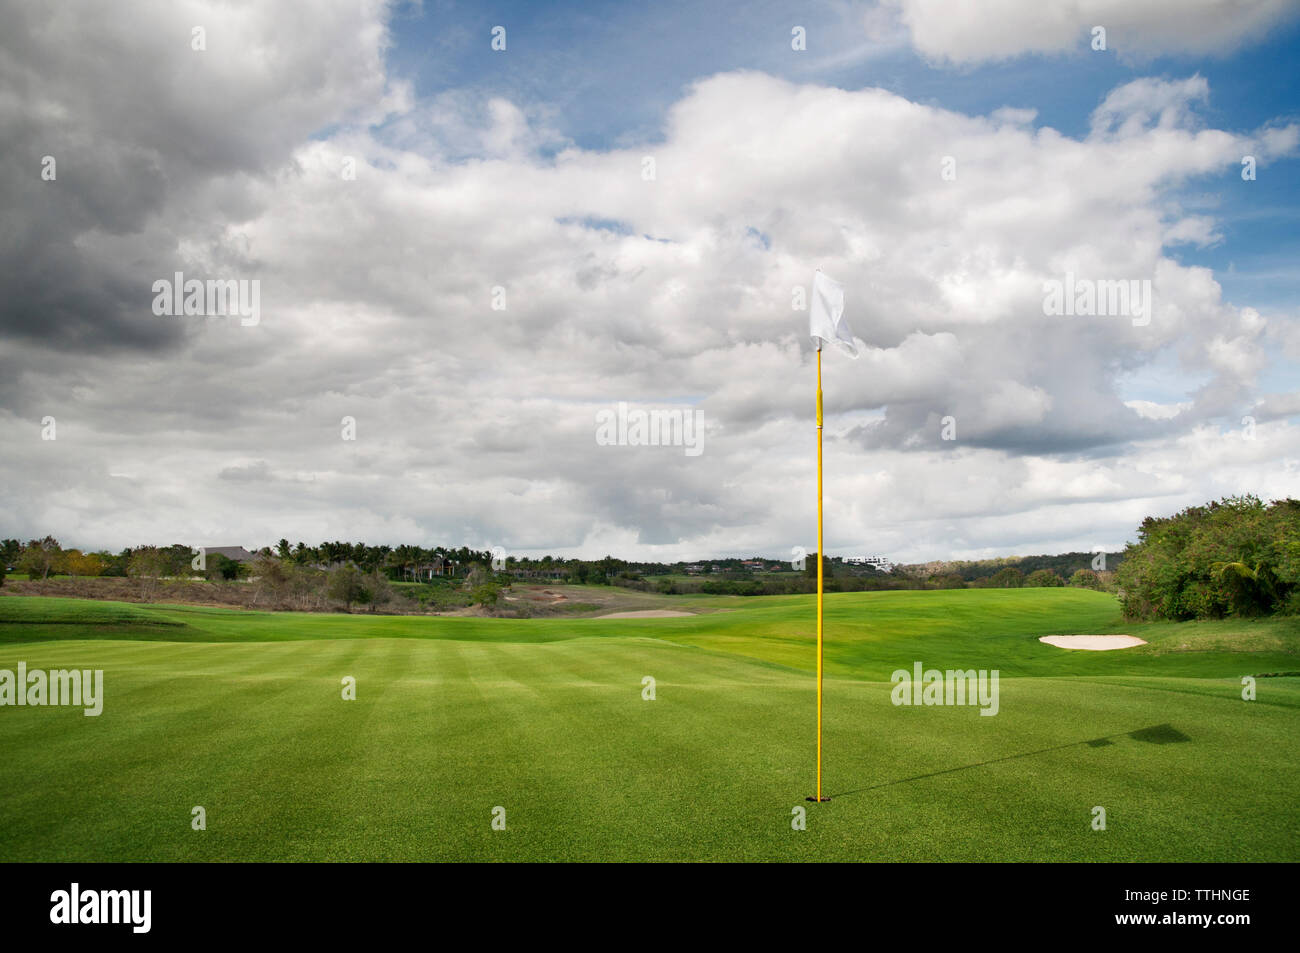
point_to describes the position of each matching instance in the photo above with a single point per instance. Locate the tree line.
(1236, 556)
(45, 557)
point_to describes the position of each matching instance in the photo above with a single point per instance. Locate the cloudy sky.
(472, 252)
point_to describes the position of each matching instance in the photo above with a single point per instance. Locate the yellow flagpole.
(820, 564)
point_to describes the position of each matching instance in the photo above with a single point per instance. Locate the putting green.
(241, 713)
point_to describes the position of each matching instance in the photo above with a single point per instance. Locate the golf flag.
(826, 316)
(826, 323)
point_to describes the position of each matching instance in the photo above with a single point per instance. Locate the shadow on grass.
(1155, 734)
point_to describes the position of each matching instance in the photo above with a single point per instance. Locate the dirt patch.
(545, 595)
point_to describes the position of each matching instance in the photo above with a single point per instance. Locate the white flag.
(826, 318)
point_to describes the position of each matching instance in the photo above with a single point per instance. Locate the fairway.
(241, 713)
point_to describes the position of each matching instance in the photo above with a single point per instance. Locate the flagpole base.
(817, 799)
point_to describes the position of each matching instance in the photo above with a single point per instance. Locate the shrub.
(486, 595)
(1085, 579)
(221, 567)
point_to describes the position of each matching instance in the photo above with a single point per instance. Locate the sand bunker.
(646, 614)
(1095, 643)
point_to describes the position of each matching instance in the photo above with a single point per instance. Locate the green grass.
(240, 712)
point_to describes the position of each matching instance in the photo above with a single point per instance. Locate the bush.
(1043, 578)
(221, 567)
(1085, 579)
(486, 595)
(437, 598)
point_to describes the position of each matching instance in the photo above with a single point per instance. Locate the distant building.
(554, 574)
(754, 564)
(439, 567)
(877, 562)
(234, 553)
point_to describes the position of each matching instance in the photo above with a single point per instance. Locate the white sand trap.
(646, 614)
(1095, 643)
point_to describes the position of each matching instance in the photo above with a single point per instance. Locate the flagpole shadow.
(1154, 734)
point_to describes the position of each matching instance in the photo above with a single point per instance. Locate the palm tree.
(1257, 580)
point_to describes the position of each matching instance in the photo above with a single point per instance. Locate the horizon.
(445, 548)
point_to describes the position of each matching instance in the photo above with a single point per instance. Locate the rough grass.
(534, 598)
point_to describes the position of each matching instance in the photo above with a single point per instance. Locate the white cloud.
(991, 30)
(1152, 410)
